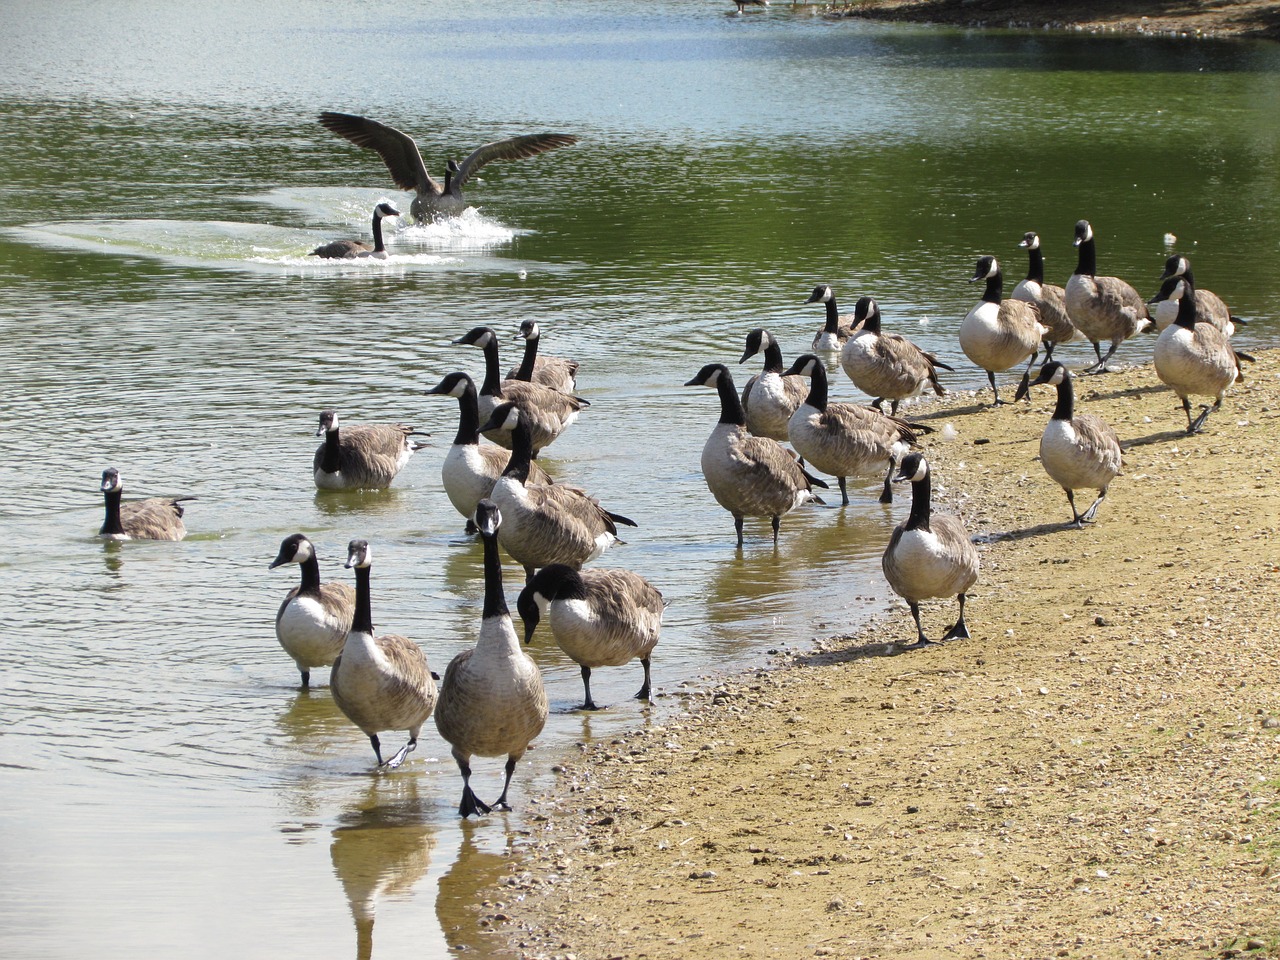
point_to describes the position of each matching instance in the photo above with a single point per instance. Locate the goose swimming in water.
(558, 373)
(365, 457)
(834, 332)
(156, 518)
(380, 683)
(313, 621)
(998, 334)
(600, 618)
(351, 249)
(492, 701)
(887, 366)
(1102, 308)
(398, 151)
(769, 399)
(1050, 299)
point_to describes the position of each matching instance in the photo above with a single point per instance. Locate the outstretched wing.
(513, 148)
(397, 150)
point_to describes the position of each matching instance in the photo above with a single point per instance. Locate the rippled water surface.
(167, 790)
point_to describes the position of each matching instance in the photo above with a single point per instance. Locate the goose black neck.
(1035, 265)
(330, 462)
(818, 388)
(112, 523)
(448, 180)
(310, 577)
(1065, 409)
(995, 288)
(521, 452)
(833, 317)
(773, 357)
(530, 357)
(377, 233)
(921, 495)
(495, 601)
(872, 323)
(468, 417)
(1187, 308)
(492, 386)
(1087, 259)
(362, 622)
(731, 411)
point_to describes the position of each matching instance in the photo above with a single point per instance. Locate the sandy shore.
(1096, 773)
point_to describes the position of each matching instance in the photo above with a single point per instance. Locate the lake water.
(167, 791)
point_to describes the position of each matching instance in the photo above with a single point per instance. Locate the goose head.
(1030, 241)
(821, 294)
(359, 554)
(505, 416)
(529, 330)
(914, 468)
(328, 422)
(453, 385)
(111, 481)
(488, 518)
(864, 308)
(293, 549)
(804, 366)
(384, 210)
(477, 337)
(709, 376)
(1084, 232)
(986, 268)
(757, 340)
(1176, 266)
(1053, 373)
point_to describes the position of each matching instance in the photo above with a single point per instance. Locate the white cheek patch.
(714, 379)
(304, 552)
(921, 471)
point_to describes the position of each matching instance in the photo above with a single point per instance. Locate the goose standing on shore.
(351, 249)
(1102, 308)
(313, 621)
(769, 399)
(558, 373)
(547, 412)
(380, 683)
(364, 457)
(1210, 307)
(998, 334)
(399, 152)
(1195, 359)
(1078, 452)
(545, 523)
(748, 476)
(1050, 299)
(886, 366)
(844, 439)
(470, 468)
(834, 333)
(600, 618)
(929, 555)
(156, 518)
(492, 702)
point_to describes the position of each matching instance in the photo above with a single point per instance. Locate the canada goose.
(156, 518)
(380, 683)
(600, 618)
(887, 366)
(929, 555)
(844, 439)
(557, 373)
(998, 334)
(492, 702)
(400, 154)
(545, 523)
(1194, 358)
(1102, 308)
(743, 4)
(748, 476)
(547, 412)
(1078, 452)
(769, 399)
(351, 249)
(833, 333)
(1209, 306)
(365, 457)
(313, 622)
(1050, 298)
(471, 468)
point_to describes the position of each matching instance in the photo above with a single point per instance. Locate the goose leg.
(402, 753)
(501, 802)
(588, 703)
(886, 495)
(470, 528)
(306, 679)
(1024, 385)
(876, 404)
(921, 639)
(644, 689)
(1199, 421)
(776, 522)
(470, 802)
(991, 378)
(377, 747)
(893, 408)
(1076, 519)
(1048, 349)
(959, 631)
(1102, 367)
(1092, 511)
(737, 525)
(844, 493)
(1097, 349)
(1186, 407)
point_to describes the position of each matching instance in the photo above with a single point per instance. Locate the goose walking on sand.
(351, 249)
(558, 373)
(769, 399)
(156, 518)
(929, 555)
(1195, 359)
(1102, 308)
(1050, 299)
(380, 683)
(364, 457)
(399, 152)
(887, 366)
(492, 702)
(600, 618)
(998, 334)
(1078, 451)
(748, 476)
(313, 621)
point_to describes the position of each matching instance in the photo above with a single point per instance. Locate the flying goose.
(1102, 308)
(399, 152)
(748, 476)
(1209, 306)
(929, 555)
(492, 702)
(769, 399)
(380, 683)
(887, 366)
(557, 373)
(156, 518)
(600, 618)
(471, 468)
(844, 439)
(351, 249)
(545, 523)
(1195, 359)
(313, 621)
(365, 457)
(547, 412)
(1078, 452)
(998, 334)
(1049, 298)
(833, 334)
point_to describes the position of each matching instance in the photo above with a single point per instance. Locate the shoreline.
(1094, 774)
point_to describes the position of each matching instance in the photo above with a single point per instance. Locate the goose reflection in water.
(382, 851)
(474, 873)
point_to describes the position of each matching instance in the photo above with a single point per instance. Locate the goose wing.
(155, 519)
(1096, 435)
(397, 150)
(513, 148)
